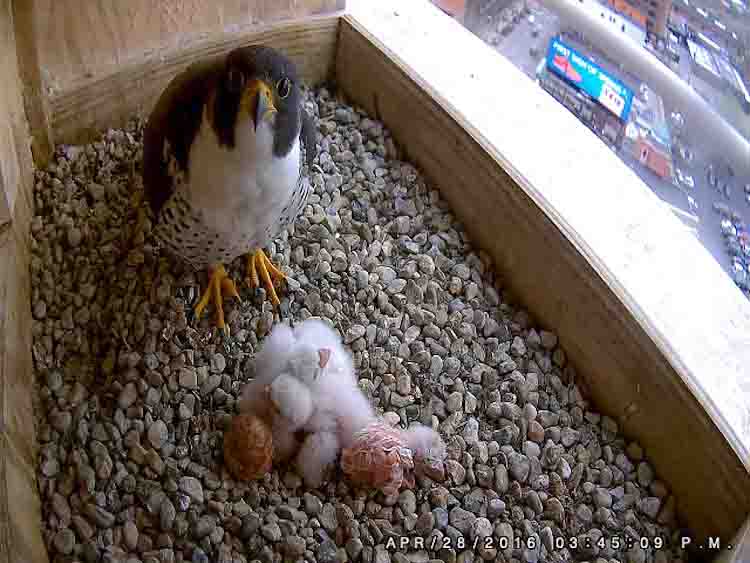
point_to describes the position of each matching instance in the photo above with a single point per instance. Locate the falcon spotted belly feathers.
(224, 159)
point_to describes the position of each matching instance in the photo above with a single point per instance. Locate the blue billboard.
(566, 62)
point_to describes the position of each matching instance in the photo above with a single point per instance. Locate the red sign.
(564, 65)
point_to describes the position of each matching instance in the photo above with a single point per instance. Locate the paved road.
(707, 228)
(705, 194)
(516, 45)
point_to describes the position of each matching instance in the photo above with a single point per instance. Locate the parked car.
(692, 204)
(721, 208)
(711, 176)
(684, 153)
(673, 54)
(739, 274)
(733, 247)
(685, 179)
(727, 228)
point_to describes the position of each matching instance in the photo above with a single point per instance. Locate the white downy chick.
(293, 400)
(428, 449)
(313, 354)
(317, 455)
(335, 389)
(269, 364)
(425, 442)
(340, 406)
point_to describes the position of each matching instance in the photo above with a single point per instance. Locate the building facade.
(650, 140)
(454, 8)
(652, 15)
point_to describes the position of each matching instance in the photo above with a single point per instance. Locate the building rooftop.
(717, 65)
(622, 24)
(703, 58)
(648, 113)
(453, 7)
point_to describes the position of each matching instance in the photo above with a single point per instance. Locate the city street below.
(523, 35)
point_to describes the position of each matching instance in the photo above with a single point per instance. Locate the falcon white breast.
(245, 190)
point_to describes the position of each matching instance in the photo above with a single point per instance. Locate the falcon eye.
(284, 87)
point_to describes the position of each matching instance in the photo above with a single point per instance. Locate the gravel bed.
(133, 395)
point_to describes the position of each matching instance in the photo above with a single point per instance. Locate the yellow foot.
(219, 285)
(257, 263)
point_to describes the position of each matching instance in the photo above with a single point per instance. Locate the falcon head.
(258, 87)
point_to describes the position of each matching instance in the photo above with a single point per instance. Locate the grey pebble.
(327, 552)
(99, 516)
(462, 520)
(131, 428)
(204, 526)
(519, 467)
(130, 534)
(158, 434)
(192, 487)
(64, 541)
(199, 556)
(128, 395)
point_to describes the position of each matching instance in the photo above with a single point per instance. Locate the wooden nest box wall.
(516, 169)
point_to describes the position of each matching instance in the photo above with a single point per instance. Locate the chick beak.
(261, 101)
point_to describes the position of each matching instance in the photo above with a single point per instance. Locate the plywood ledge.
(89, 105)
(77, 39)
(658, 330)
(20, 508)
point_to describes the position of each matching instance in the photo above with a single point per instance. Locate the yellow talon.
(219, 286)
(257, 263)
(228, 287)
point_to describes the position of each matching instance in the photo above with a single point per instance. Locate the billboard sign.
(566, 62)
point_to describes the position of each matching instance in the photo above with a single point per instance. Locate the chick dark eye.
(284, 88)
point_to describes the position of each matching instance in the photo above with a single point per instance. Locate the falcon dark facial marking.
(259, 84)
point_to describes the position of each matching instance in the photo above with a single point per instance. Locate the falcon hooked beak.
(257, 101)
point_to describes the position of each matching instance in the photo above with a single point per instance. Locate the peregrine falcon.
(224, 154)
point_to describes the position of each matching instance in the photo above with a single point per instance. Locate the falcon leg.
(259, 264)
(219, 286)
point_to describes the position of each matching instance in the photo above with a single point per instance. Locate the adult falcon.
(223, 158)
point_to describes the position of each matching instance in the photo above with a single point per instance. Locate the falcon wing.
(308, 137)
(172, 126)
